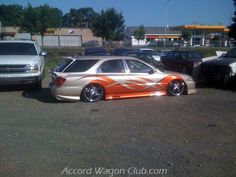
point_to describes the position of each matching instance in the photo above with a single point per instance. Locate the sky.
(151, 12)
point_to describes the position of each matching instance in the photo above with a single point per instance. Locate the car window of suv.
(17, 48)
(112, 66)
(138, 67)
(81, 65)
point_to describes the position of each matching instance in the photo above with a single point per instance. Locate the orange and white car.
(113, 77)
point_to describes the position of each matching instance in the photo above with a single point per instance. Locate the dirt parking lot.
(190, 136)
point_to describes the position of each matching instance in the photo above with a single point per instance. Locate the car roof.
(103, 57)
(17, 41)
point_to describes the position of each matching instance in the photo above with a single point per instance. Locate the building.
(154, 34)
(54, 37)
(206, 35)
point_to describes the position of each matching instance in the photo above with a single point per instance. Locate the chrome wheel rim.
(93, 93)
(176, 88)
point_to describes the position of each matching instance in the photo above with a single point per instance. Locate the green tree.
(71, 19)
(11, 15)
(186, 35)
(38, 19)
(139, 33)
(48, 18)
(109, 25)
(31, 20)
(232, 31)
(79, 18)
(87, 17)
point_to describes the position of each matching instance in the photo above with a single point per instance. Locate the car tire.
(176, 88)
(92, 93)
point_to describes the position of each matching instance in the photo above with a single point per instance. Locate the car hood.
(221, 61)
(17, 59)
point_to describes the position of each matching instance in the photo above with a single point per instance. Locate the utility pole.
(166, 25)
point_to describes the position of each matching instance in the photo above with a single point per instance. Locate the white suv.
(21, 62)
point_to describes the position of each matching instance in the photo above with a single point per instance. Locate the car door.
(113, 76)
(170, 60)
(176, 62)
(143, 78)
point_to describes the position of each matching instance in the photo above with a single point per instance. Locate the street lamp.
(166, 15)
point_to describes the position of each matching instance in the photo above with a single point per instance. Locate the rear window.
(63, 65)
(81, 65)
(17, 49)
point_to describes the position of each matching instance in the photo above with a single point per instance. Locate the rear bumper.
(65, 93)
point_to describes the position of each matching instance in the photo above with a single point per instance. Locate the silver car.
(109, 77)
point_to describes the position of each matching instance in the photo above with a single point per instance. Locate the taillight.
(59, 81)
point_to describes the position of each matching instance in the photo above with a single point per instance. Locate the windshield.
(17, 49)
(231, 54)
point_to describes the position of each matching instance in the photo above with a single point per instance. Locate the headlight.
(196, 64)
(32, 68)
(233, 67)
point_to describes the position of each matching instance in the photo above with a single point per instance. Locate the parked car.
(163, 53)
(187, 62)
(21, 62)
(120, 51)
(152, 52)
(94, 78)
(96, 51)
(148, 58)
(221, 70)
(91, 43)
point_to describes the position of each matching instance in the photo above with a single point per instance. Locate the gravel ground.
(190, 136)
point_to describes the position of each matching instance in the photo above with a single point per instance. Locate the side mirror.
(43, 53)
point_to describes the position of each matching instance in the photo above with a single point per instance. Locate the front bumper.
(19, 80)
(191, 87)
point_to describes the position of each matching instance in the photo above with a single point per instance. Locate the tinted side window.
(81, 65)
(169, 55)
(176, 55)
(112, 66)
(138, 67)
(192, 55)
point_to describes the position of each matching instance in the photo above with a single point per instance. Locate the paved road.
(190, 136)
